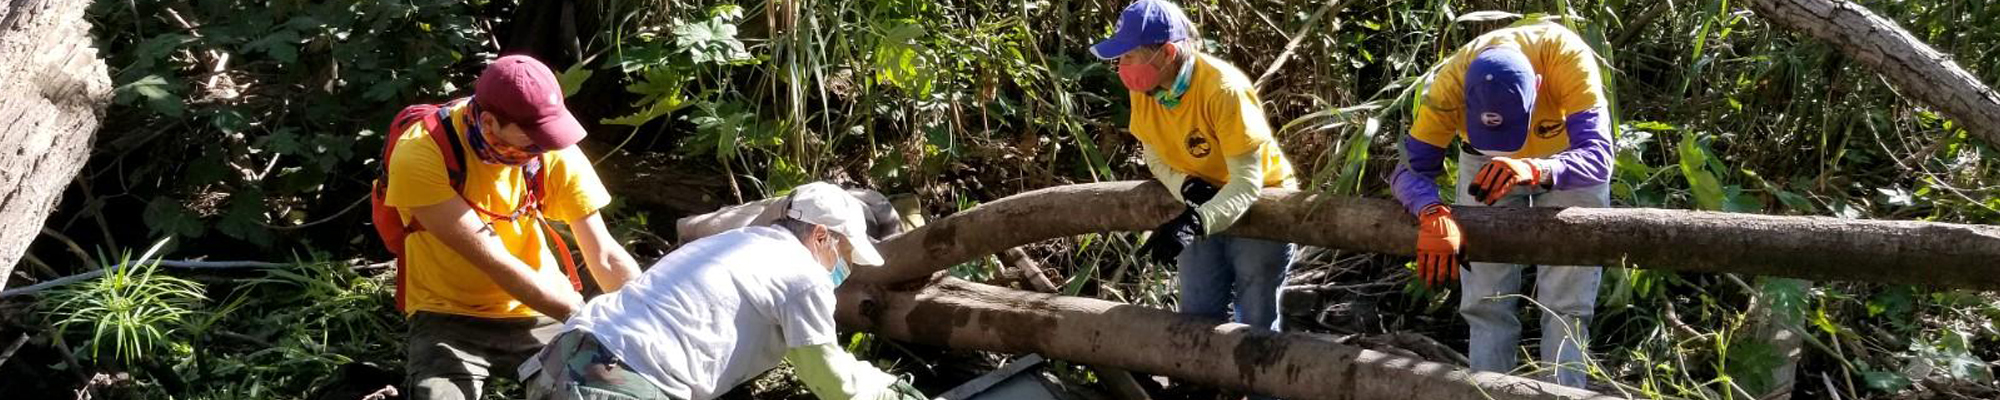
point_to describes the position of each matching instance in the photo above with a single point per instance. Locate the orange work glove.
(1437, 245)
(1500, 175)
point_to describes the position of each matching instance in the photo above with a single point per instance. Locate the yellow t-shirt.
(1571, 82)
(1218, 117)
(441, 280)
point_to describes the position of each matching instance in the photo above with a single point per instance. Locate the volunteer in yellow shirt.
(484, 292)
(1527, 105)
(1206, 139)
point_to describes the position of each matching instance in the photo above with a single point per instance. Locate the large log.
(1921, 72)
(53, 91)
(1816, 248)
(966, 315)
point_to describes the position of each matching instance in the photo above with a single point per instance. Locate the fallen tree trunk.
(1817, 248)
(965, 315)
(1920, 71)
(53, 91)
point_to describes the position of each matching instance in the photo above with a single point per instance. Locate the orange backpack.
(388, 220)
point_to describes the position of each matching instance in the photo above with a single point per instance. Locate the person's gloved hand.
(1197, 191)
(901, 390)
(1438, 242)
(1499, 177)
(1167, 241)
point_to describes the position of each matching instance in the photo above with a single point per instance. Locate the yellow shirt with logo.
(1569, 83)
(441, 280)
(1218, 117)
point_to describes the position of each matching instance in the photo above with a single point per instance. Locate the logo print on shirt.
(1491, 119)
(1197, 145)
(1548, 128)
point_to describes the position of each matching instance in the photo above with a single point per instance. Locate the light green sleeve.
(1246, 179)
(1167, 175)
(832, 374)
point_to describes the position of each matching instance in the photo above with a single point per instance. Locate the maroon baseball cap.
(520, 90)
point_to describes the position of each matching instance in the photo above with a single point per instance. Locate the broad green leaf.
(157, 92)
(282, 45)
(1885, 381)
(657, 109)
(1707, 189)
(1750, 363)
(1786, 298)
(1894, 303)
(284, 141)
(900, 60)
(572, 79)
(165, 216)
(242, 220)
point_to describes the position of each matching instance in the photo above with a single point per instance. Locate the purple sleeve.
(1588, 161)
(1415, 179)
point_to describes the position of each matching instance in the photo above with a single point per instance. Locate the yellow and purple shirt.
(1568, 125)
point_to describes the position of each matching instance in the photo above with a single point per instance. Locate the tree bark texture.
(53, 92)
(1816, 248)
(966, 315)
(1921, 72)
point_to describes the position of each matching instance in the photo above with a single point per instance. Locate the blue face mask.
(840, 270)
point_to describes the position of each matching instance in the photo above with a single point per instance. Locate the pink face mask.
(1142, 77)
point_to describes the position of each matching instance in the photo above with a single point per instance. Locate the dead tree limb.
(1816, 248)
(966, 315)
(1921, 72)
(53, 91)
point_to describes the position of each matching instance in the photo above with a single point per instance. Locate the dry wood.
(1919, 71)
(53, 91)
(1816, 248)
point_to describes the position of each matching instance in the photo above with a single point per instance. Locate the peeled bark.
(53, 91)
(965, 315)
(1816, 248)
(1919, 71)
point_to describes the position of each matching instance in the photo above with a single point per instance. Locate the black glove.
(1167, 241)
(1197, 191)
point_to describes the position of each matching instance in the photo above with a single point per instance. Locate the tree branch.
(1923, 73)
(966, 315)
(1816, 248)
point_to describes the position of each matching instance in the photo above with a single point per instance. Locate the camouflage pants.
(451, 356)
(576, 367)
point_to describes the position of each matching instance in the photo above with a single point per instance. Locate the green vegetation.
(250, 130)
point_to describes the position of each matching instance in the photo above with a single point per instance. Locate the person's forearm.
(1246, 180)
(832, 374)
(614, 269)
(1588, 160)
(516, 277)
(460, 230)
(1414, 181)
(610, 265)
(1165, 174)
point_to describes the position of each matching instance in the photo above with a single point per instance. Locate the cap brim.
(557, 133)
(863, 252)
(1509, 137)
(1111, 48)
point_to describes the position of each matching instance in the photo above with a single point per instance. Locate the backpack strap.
(445, 133)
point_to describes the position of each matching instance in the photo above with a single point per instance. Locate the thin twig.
(343, 211)
(1293, 46)
(13, 347)
(73, 247)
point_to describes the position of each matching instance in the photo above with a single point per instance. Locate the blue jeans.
(1568, 293)
(1214, 268)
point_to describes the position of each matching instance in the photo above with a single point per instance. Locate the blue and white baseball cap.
(1145, 22)
(1499, 100)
